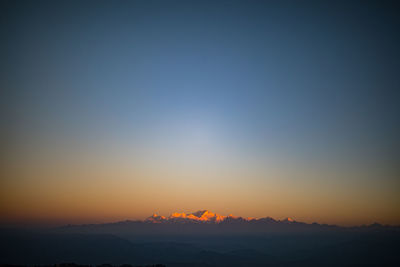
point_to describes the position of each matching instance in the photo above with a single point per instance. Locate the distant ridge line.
(210, 218)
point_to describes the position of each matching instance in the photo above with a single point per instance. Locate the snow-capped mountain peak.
(156, 218)
(206, 216)
(200, 216)
(288, 219)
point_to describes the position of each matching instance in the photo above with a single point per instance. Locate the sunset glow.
(117, 111)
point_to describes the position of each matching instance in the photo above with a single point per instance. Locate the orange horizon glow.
(87, 218)
(124, 110)
(94, 189)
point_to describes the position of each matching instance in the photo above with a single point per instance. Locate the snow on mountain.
(156, 218)
(198, 216)
(206, 216)
(288, 220)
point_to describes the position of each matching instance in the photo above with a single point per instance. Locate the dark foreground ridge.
(203, 247)
(203, 239)
(79, 265)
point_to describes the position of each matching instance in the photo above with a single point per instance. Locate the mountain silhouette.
(204, 238)
(93, 245)
(210, 223)
(207, 216)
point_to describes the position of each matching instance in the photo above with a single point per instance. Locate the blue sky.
(310, 84)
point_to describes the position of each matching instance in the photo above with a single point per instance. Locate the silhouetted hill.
(205, 239)
(49, 248)
(80, 265)
(350, 247)
(209, 223)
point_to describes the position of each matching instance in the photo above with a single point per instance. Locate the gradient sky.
(114, 110)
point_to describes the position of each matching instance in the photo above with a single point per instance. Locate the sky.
(115, 110)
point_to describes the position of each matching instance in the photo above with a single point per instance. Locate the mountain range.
(210, 223)
(205, 216)
(204, 239)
